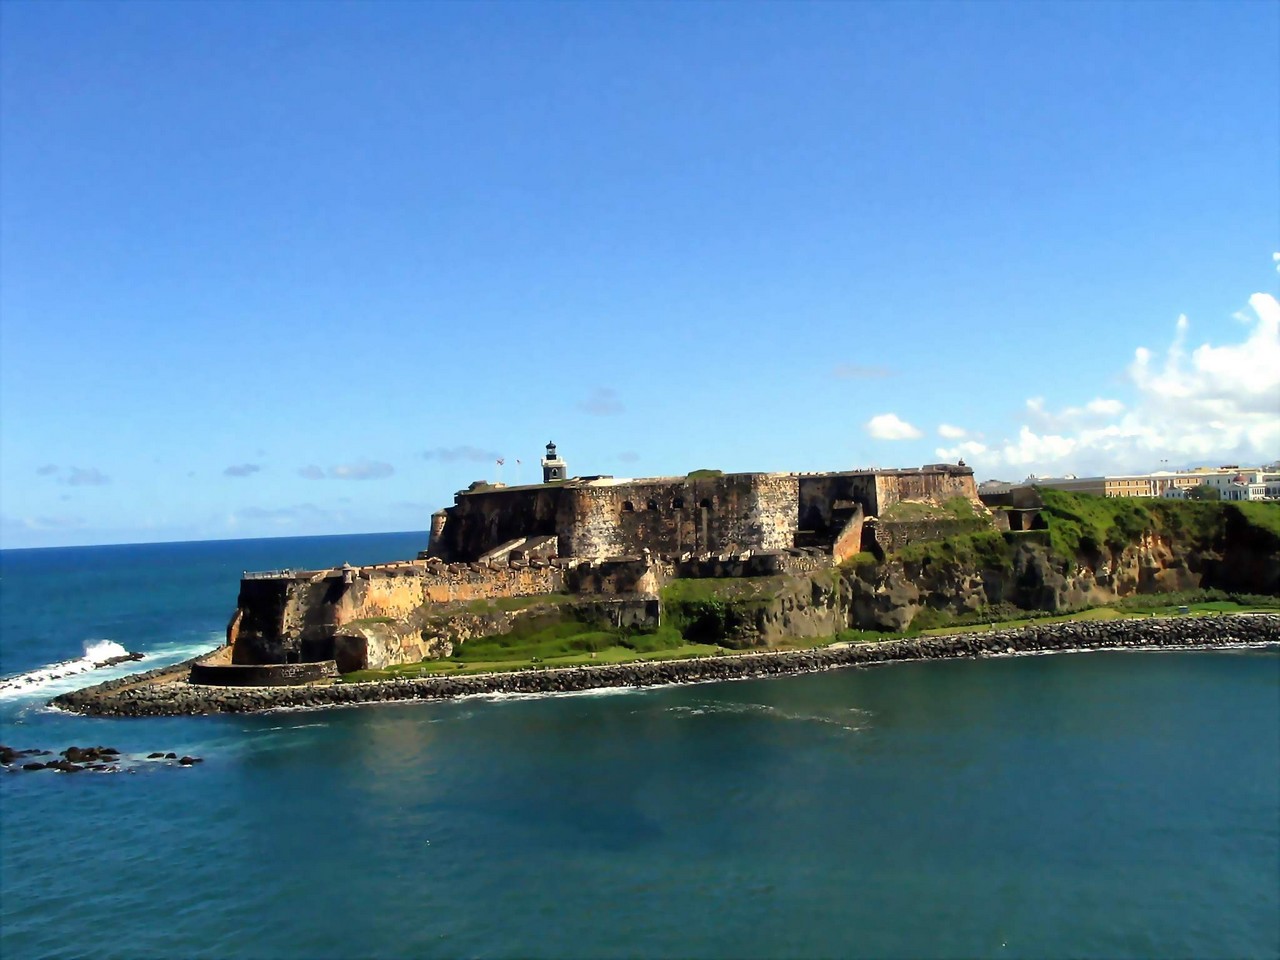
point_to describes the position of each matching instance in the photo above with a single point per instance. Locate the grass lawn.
(518, 657)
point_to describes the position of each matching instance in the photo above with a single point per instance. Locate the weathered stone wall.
(849, 540)
(448, 582)
(478, 522)
(623, 576)
(747, 511)
(939, 484)
(671, 516)
(295, 618)
(778, 563)
(261, 675)
(820, 492)
(893, 535)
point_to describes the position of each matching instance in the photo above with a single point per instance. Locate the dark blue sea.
(1092, 805)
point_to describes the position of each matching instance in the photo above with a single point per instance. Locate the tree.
(1204, 492)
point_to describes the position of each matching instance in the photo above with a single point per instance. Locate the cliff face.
(1234, 555)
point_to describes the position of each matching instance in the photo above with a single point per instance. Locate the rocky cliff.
(1094, 556)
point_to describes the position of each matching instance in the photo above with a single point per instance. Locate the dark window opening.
(705, 504)
(628, 506)
(677, 503)
(653, 504)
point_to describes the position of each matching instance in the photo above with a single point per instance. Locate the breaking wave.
(97, 653)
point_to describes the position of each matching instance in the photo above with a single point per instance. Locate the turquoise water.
(1106, 805)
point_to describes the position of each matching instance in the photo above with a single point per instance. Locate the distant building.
(1231, 482)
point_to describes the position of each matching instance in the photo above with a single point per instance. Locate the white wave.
(96, 654)
(60, 677)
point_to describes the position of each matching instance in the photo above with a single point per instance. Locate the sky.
(285, 269)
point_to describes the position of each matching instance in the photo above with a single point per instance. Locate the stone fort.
(607, 540)
(703, 513)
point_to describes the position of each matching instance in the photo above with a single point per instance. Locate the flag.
(501, 461)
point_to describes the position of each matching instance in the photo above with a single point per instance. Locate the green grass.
(1084, 524)
(704, 474)
(717, 610)
(859, 559)
(955, 508)
(1264, 515)
(985, 549)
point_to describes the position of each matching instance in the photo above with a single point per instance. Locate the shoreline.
(164, 692)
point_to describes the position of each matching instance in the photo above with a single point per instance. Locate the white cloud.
(948, 432)
(1216, 402)
(968, 448)
(362, 470)
(889, 426)
(1105, 408)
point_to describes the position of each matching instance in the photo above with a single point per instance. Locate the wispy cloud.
(602, 402)
(85, 477)
(889, 426)
(74, 476)
(47, 522)
(858, 371)
(464, 452)
(242, 470)
(950, 432)
(360, 470)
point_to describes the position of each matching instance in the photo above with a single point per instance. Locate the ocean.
(1119, 804)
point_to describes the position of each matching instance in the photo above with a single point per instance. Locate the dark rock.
(155, 756)
(33, 766)
(171, 756)
(187, 761)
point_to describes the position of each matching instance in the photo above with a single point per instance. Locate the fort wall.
(673, 516)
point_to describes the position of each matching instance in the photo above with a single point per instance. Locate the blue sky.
(310, 268)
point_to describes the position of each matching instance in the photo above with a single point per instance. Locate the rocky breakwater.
(175, 698)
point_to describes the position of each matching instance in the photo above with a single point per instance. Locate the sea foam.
(97, 653)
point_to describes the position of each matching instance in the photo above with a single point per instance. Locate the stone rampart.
(938, 483)
(732, 513)
(261, 675)
(445, 583)
(777, 563)
(616, 576)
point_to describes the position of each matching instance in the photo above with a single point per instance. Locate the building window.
(677, 503)
(653, 504)
(628, 506)
(705, 504)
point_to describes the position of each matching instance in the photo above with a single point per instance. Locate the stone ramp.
(523, 548)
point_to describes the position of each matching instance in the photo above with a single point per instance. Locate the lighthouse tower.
(553, 468)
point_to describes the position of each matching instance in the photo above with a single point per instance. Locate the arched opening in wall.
(653, 505)
(628, 506)
(705, 504)
(677, 503)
